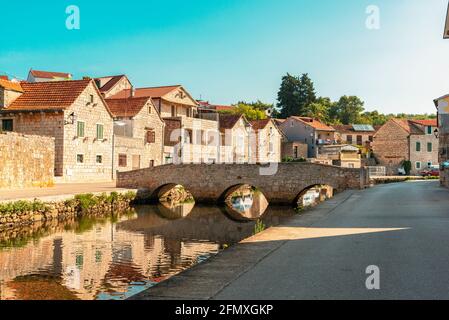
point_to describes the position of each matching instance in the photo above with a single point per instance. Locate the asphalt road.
(403, 229)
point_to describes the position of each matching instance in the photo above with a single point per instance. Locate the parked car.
(431, 172)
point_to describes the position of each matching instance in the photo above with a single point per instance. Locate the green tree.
(348, 109)
(319, 109)
(295, 95)
(250, 112)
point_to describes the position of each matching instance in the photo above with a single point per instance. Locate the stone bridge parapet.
(209, 183)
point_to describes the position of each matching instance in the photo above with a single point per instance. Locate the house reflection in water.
(110, 259)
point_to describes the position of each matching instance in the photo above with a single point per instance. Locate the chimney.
(132, 92)
(86, 78)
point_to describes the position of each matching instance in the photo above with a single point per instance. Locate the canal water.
(117, 257)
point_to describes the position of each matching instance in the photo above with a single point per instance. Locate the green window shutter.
(80, 129)
(429, 130)
(418, 146)
(429, 147)
(100, 132)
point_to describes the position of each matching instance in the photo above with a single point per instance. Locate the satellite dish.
(446, 27)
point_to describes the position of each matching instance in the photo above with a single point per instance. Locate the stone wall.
(391, 147)
(208, 183)
(288, 149)
(26, 161)
(18, 217)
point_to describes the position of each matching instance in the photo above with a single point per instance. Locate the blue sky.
(230, 50)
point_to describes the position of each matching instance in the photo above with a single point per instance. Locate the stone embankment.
(26, 213)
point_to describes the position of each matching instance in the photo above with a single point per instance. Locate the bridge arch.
(326, 191)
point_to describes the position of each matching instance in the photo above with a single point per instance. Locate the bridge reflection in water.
(114, 258)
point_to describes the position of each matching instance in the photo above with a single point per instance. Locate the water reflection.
(114, 258)
(246, 203)
(315, 195)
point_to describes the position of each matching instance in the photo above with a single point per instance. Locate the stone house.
(346, 156)
(402, 140)
(236, 139)
(442, 105)
(310, 131)
(111, 85)
(189, 133)
(360, 135)
(268, 146)
(75, 114)
(138, 134)
(46, 76)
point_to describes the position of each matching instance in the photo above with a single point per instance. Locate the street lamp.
(436, 133)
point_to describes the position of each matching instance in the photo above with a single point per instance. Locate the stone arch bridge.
(210, 183)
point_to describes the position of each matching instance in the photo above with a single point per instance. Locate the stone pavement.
(401, 229)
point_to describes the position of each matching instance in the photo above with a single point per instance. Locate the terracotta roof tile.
(314, 123)
(228, 121)
(126, 107)
(260, 124)
(428, 122)
(48, 95)
(10, 85)
(49, 74)
(154, 92)
(111, 83)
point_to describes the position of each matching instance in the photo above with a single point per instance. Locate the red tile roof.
(153, 92)
(10, 85)
(56, 95)
(428, 122)
(260, 124)
(228, 121)
(129, 107)
(314, 123)
(49, 74)
(111, 83)
(4, 77)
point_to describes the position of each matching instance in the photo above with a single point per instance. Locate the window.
(359, 140)
(429, 130)
(80, 158)
(189, 112)
(418, 165)
(173, 111)
(7, 125)
(100, 132)
(151, 163)
(295, 152)
(99, 159)
(91, 98)
(122, 160)
(80, 129)
(418, 147)
(349, 138)
(371, 138)
(429, 147)
(151, 136)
